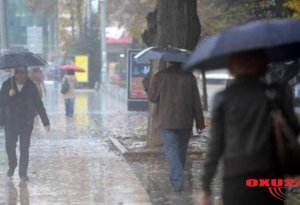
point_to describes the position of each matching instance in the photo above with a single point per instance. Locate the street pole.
(88, 11)
(56, 30)
(3, 25)
(103, 42)
(49, 41)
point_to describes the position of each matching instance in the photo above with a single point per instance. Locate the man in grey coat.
(177, 95)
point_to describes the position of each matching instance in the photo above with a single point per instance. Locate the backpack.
(287, 145)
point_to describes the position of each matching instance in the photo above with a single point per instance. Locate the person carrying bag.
(286, 140)
(68, 91)
(243, 135)
(65, 87)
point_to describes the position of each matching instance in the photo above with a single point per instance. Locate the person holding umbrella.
(177, 95)
(71, 81)
(70, 93)
(242, 130)
(20, 100)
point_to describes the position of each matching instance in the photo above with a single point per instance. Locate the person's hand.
(47, 128)
(11, 92)
(204, 198)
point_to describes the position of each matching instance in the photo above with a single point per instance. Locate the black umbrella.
(280, 39)
(164, 54)
(20, 59)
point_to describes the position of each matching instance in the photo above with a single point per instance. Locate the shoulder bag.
(65, 87)
(287, 145)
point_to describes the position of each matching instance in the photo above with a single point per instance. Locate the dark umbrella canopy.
(20, 59)
(280, 39)
(164, 54)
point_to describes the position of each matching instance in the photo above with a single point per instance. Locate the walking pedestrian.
(20, 100)
(38, 78)
(177, 95)
(36, 75)
(242, 133)
(70, 95)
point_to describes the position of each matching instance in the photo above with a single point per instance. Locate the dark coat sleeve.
(155, 87)
(146, 82)
(38, 103)
(198, 111)
(5, 100)
(216, 143)
(3, 96)
(4, 93)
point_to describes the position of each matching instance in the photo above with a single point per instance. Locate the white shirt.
(20, 87)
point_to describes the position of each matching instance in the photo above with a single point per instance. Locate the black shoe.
(24, 179)
(10, 173)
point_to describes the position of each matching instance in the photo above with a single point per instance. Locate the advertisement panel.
(83, 62)
(137, 70)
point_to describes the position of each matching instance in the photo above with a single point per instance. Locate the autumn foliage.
(294, 5)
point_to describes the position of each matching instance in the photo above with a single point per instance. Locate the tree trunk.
(154, 139)
(175, 23)
(79, 5)
(72, 22)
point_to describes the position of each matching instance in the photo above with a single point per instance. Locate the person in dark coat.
(242, 133)
(177, 95)
(20, 100)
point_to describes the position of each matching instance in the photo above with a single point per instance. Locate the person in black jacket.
(242, 133)
(20, 100)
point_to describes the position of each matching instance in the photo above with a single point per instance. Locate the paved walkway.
(73, 163)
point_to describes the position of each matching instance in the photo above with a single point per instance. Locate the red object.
(71, 68)
(125, 40)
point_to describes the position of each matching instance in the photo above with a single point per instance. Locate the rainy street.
(149, 102)
(75, 163)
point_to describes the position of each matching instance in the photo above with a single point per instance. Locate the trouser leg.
(24, 152)
(184, 137)
(11, 138)
(67, 106)
(171, 148)
(71, 107)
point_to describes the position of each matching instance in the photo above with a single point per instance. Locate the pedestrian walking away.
(177, 95)
(242, 133)
(20, 100)
(70, 94)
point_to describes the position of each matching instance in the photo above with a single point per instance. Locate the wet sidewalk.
(75, 163)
